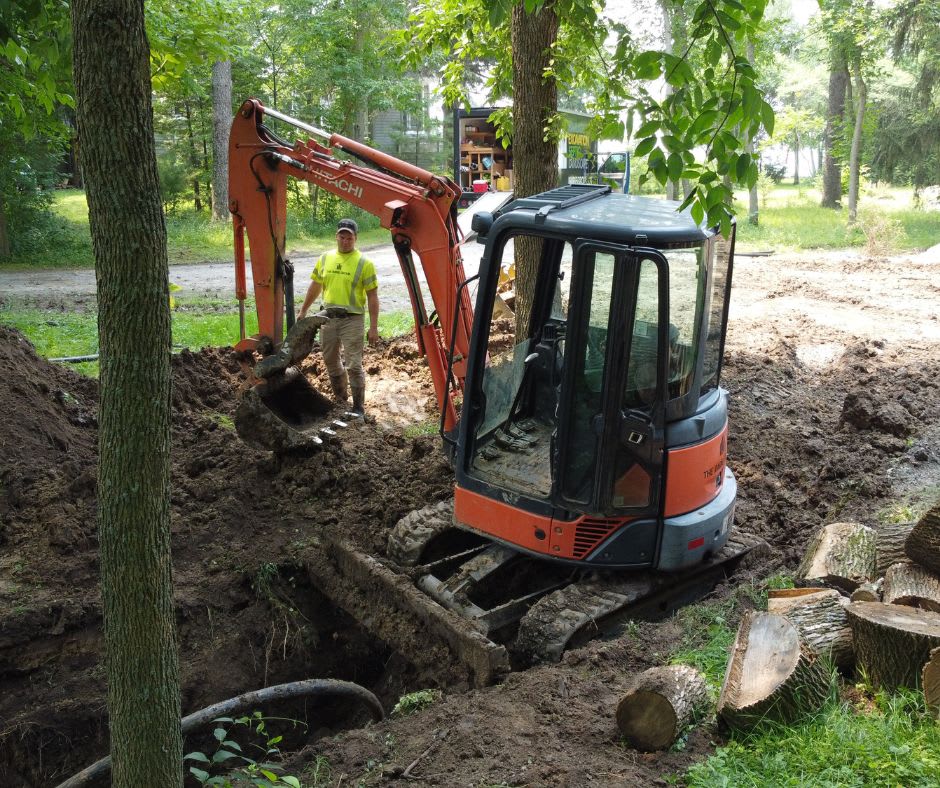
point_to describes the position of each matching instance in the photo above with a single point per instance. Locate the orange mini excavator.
(590, 435)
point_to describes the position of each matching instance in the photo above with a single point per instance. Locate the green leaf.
(197, 756)
(752, 175)
(270, 775)
(645, 146)
(659, 170)
(293, 782)
(199, 774)
(219, 734)
(675, 166)
(223, 755)
(499, 12)
(698, 212)
(648, 129)
(740, 168)
(767, 117)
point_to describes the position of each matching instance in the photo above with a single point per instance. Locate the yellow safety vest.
(346, 278)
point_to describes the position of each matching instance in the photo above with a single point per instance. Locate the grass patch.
(888, 740)
(790, 218)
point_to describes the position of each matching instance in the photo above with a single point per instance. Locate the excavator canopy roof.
(598, 213)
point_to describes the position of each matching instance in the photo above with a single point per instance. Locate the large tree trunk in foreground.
(820, 618)
(889, 540)
(923, 543)
(221, 125)
(535, 158)
(661, 703)
(892, 642)
(772, 675)
(931, 683)
(832, 170)
(115, 125)
(841, 555)
(912, 585)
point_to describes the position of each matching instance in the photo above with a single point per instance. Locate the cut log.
(840, 555)
(931, 680)
(661, 703)
(772, 674)
(923, 544)
(890, 541)
(892, 642)
(912, 585)
(868, 592)
(819, 615)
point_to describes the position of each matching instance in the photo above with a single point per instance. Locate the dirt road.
(217, 280)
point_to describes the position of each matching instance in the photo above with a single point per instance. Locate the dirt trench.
(832, 365)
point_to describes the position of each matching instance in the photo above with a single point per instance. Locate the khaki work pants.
(348, 334)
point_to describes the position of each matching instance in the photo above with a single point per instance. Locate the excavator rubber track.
(563, 608)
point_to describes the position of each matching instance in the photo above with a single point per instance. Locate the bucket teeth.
(328, 432)
(340, 424)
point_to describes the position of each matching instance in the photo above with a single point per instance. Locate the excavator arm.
(417, 206)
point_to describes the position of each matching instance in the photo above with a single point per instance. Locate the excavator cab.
(597, 434)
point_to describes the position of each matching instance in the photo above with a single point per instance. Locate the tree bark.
(193, 156)
(840, 555)
(911, 585)
(930, 678)
(889, 545)
(923, 543)
(535, 153)
(892, 642)
(4, 232)
(861, 95)
(772, 674)
(661, 703)
(115, 126)
(796, 158)
(832, 171)
(820, 618)
(221, 125)
(868, 592)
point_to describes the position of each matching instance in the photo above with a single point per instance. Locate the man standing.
(347, 280)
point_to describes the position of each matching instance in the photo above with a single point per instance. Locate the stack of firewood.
(869, 601)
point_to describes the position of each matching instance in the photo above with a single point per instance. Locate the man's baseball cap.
(348, 224)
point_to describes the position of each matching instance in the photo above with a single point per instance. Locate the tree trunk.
(820, 618)
(221, 125)
(667, 9)
(535, 158)
(923, 543)
(661, 703)
(4, 233)
(868, 592)
(930, 678)
(892, 642)
(832, 171)
(911, 585)
(796, 158)
(840, 555)
(772, 674)
(889, 545)
(193, 156)
(753, 209)
(855, 157)
(115, 125)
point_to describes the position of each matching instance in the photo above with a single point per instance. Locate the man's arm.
(312, 292)
(372, 299)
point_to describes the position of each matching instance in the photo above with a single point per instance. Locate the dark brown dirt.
(832, 366)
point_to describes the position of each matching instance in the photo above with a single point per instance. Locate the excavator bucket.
(284, 413)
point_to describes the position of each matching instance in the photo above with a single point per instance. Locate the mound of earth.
(831, 366)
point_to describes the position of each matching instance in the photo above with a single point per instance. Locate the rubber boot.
(359, 400)
(340, 391)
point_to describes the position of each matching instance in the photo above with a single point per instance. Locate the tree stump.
(661, 703)
(840, 555)
(923, 544)
(892, 642)
(931, 680)
(889, 540)
(868, 592)
(912, 585)
(772, 674)
(819, 615)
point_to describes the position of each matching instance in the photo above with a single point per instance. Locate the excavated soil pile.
(241, 522)
(832, 365)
